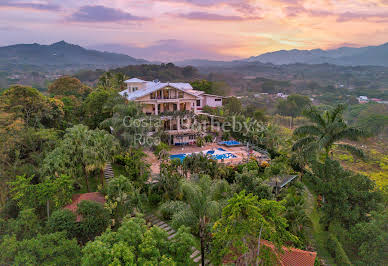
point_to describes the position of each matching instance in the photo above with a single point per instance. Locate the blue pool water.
(228, 155)
(178, 156)
(230, 143)
(224, 156)
(221, 149)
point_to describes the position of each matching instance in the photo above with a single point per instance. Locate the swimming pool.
(178, 156)
(212, 154)
(230, 143)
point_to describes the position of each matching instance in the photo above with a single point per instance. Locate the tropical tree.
(293, 106)
(295, 211)
(112, 81)
(69, 86)
(169, 180)
(244, 222)
(99, 149)
(349, 197)
(325, 132)
(79, 153)
(204, 200)
(122, 197)
(136, 244)
(98, 106)
(57, 190)
(132, 127)
(137, 169)
(44, 249)
(252, 182)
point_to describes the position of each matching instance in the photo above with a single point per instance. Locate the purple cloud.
(213, 17)
(293, 11)
(243, 6)
(37, 6)
(103, 14)
(348, 16)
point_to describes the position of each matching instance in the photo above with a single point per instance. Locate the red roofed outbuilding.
(289, 256)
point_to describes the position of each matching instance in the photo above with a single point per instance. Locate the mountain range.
(61, 54)
(65, 55)
(347, 56)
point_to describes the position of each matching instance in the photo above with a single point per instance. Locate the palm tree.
(100, 149)
(326, 131)
(295, 211)
(119, 81)
(204, 200)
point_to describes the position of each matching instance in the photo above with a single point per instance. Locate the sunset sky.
(172, 30)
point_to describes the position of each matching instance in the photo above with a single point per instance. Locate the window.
(217, 100)
(134, 88)
(180, 94)
(198, 102)
(191, 137)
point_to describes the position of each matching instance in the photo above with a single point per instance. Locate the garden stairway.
(108, 172)
(155, 221)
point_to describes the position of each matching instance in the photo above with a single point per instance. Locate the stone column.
(178, 123)
(156, 109)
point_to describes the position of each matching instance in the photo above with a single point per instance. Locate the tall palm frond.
(325, 130)
(352, 149)
(308, 130)
(314, 116)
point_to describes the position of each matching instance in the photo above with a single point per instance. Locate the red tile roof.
(292, 256)
(77, 198)
(289, 256)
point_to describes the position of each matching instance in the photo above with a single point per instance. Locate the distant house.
(363, 99)
(376, 100)
(281, 95)
(163, 98)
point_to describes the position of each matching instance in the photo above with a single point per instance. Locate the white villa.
(164, 99)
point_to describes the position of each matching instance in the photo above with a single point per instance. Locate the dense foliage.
(55, 148)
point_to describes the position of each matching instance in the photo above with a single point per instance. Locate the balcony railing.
(165, 98)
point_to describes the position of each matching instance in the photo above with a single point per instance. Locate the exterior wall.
(184, 140)
(138, 85)
(144, 98)
(148, 108)
(212, 101)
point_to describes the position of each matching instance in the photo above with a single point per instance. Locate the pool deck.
(239, 151)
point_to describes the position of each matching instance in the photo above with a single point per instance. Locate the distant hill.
(347, 56)
(61, 55)
(163, 72)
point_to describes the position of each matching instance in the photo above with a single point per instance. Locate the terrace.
(232, 155)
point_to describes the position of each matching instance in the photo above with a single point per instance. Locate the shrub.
(154, 198)
(160, 147)
(94, 219)
(170, 207)
(25, 226)
(200, 141)
(209, 138)
(63, 220)
(10, 210)
(336, 251)
(225, 136)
